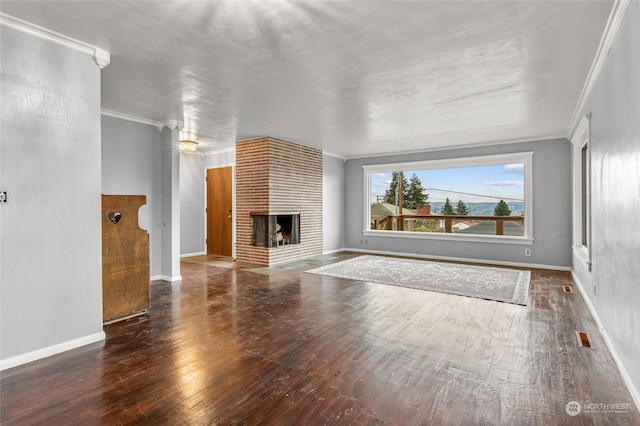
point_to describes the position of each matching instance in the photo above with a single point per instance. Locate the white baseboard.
(169, 278)
(333, 251)
(51, 350)
(463, 259)
(633, 390)
(165, 278)
(200, 253)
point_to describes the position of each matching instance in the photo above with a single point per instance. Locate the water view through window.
(431, 198)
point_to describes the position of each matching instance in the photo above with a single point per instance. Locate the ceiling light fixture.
(187, 146)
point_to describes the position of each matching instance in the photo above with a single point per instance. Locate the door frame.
(233, 206)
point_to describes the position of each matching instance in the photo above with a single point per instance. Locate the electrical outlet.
(527, 252)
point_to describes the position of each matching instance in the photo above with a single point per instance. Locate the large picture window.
(486, 198)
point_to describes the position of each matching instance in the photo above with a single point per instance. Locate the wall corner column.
(170, 204)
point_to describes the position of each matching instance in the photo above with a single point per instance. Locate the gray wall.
(50, 229)
(131, 166)
(615, 199)
(551, 215)
(332, 203)
(192, 214)
(170, 204)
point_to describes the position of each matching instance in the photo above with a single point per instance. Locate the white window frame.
(525, 158)
(582, 139)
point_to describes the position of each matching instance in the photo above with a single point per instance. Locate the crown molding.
(583, 128)
(101, 57)
(219, 151)
(128, 117)
(331, 154)
(440, 148)
(618, 10)
(171, 123)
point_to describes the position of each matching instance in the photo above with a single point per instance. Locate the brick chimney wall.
(277, 176)
(424, 210)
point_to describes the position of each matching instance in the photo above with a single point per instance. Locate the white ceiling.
(354, 78)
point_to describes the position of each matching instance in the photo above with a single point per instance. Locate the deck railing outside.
(438, 223)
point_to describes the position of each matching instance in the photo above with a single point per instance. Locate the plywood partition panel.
(125, 257)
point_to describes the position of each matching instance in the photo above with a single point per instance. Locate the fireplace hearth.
(275, 229)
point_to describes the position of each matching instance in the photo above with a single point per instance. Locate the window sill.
(450, 237)
(582, 254)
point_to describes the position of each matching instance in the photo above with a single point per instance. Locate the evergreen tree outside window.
(461, 209)
(390, 194)
(502, 209)
(415, 195)
(447, 209)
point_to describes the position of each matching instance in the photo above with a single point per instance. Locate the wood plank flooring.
(237, 344)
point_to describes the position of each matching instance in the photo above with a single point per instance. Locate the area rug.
(483, 282)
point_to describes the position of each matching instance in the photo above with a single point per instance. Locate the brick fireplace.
(278, 193)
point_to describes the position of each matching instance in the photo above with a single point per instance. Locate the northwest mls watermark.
(573, 408)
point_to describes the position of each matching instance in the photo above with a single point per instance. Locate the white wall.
(131, 166)
(220, 159)
(50, 228)
(614, 103)
(170, 204)
(332, 203)
(192, 204)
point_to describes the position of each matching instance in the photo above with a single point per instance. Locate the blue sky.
(486, 183)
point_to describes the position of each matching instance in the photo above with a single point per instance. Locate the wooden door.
(219, 211)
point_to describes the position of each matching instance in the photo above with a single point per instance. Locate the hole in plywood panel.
(567, 289)
(583, 340)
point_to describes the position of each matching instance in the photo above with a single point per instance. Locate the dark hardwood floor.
(240, 345)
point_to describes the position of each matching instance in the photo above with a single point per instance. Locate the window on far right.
(586, 190)
(581, 141)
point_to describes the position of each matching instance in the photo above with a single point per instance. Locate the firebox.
(275, 229)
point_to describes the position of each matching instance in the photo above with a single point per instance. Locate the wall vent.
(583, 340)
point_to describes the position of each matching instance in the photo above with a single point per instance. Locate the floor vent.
(583, 340)
(567, 289)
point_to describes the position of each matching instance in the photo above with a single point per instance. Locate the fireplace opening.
(275, 230)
